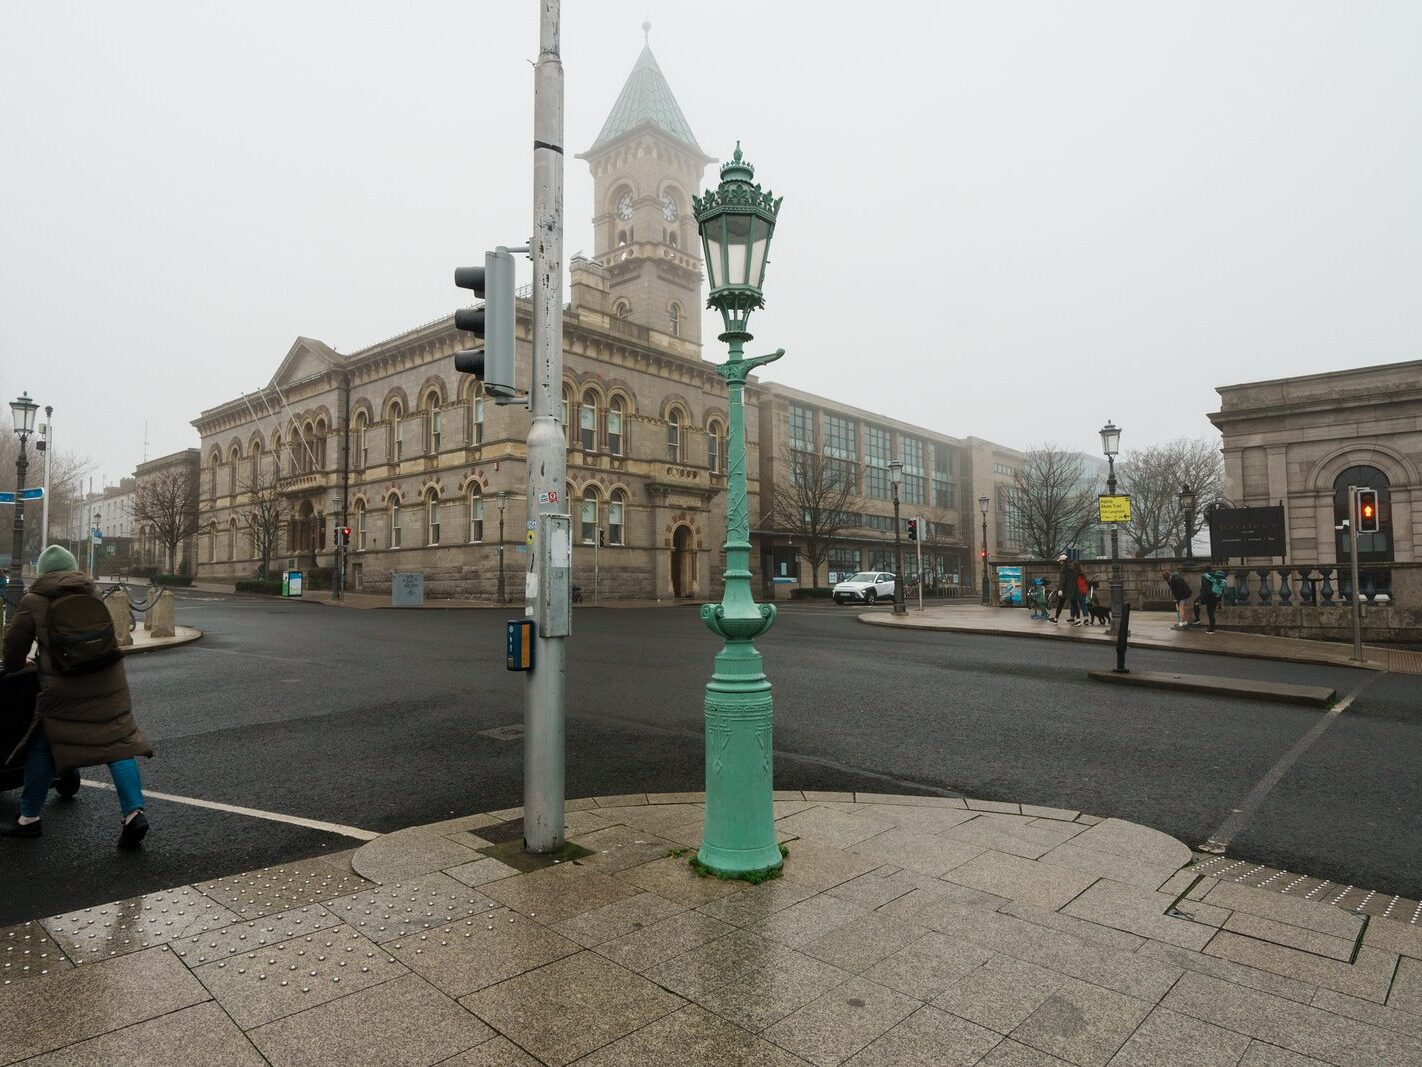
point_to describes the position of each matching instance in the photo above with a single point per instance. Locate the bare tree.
(167, 503)
(1154, 477)
(1054, 500)
(811, 502)
(264, 514)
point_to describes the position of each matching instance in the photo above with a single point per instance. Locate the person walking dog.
(83, 714)
(1066, 587)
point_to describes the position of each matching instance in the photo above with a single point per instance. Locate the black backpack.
(81, 635)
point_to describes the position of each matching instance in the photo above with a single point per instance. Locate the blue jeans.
(39, 773)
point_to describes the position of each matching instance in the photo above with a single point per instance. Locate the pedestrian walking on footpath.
(83, 713)
(1081, 588)
(1212, 587)
(1180, 593)
(1066, 587)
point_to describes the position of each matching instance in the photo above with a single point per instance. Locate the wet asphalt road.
(373, 719)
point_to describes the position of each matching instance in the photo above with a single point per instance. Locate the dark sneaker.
(15, 829)
(133, 831)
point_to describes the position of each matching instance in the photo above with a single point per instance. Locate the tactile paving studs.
(107, 930)
(283, 887)
(390, 911)
(261, 990)
(266, 932)
(27, 951)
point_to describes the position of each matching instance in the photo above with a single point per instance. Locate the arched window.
(307, 460)
(396, 534)
(715, 446)
(587, 421)
(622, 309)
(589, 515)
(476, 513)
(433, 422)
(362, 440)
(476, 416)
(362, 526)
(616, 508)
(318, 445)
(234, 458)
(254, 464)
(212, 464)
(674, 320)
(614, 425)
(212, 542)
(396, 447)
(674, 435)
(278, 455)
(567, 413)
(671, 238)
(1372, 548)
(432, 517)
(232, 539)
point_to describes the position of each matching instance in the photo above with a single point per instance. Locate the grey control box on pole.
(555, 544)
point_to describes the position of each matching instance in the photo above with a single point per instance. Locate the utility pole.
(918, 545)
(547, 585)
(48, 445)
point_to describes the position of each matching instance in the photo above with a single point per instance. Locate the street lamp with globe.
(736, 221)
(1187, 505)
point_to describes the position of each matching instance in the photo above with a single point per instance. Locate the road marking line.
(255, 813)
(1229, 829)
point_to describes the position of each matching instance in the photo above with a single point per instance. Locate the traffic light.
(913, 529)
(982, 553)
(1367, 511)
(345, 535)
(493, 364)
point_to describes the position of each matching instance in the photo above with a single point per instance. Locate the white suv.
(866, 587)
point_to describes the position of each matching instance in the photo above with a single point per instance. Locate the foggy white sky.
(1014, 220)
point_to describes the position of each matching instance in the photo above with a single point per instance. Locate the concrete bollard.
(161, 618)
(120, 614)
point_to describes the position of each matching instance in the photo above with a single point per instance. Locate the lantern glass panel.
(760, 241)
(738, 237)
(1110, 439)
(713, 236)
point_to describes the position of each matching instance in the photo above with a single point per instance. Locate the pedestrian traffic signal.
(492, 364)
(913, 529)
(1367, 511)
(982, 553)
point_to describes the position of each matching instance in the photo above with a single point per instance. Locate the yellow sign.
(1114, 508)
(530, 537)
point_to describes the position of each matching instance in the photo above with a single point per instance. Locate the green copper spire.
(646, 97)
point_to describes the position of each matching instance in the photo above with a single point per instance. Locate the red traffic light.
(982, 553)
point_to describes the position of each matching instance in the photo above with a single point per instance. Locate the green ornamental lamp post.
(736, 221)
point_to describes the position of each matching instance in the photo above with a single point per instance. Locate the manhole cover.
(512, 732)
(504, 831)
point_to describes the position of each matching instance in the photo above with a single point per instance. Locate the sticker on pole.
(1114, 508)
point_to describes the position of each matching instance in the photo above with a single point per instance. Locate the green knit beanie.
(56, 558)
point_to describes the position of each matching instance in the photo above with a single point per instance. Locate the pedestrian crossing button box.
(520, 645)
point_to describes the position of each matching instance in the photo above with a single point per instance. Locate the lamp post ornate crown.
(737, 220)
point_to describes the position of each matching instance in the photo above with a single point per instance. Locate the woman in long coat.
(80, 720)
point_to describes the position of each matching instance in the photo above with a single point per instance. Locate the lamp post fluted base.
(739, 837)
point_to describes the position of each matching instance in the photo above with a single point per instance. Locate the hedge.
(180, 581)
(267, 586)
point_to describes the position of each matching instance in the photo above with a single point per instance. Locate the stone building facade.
(1302, 441)
(393, 443)
(177, 468)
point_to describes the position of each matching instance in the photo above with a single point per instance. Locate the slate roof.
(645, 97)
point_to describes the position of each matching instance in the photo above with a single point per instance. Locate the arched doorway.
(1372, 548)
(683, 563)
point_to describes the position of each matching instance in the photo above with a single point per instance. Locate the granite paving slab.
(864, 941)
(826, 826)
(756, 902)
(571, 1007)
(618, 919)
(407, 854)
(1013, 1054)
(1227, 971)
(498, 1051)
(480, 872)
(1137, 911)
(27, 950)
(928, 1038)
(822, 867)
(137, 923)
(917, 850)
(1407, 986)
(559, 892)
(737, 957)
(402, 908)
(1166, 1038)
(840, 1022)
(469, 954)
(807, 921)
(643, 949)
(1365, 1011)
(929, 966)
(770, 990)
(619, 847)
(404, 1022)
(1127, 869)
(281, 888)
(1369, 977)
(1000, 994)
(929, 820)
(1082, 1023)
(1020, 879)
(50, 1012)
(691, 1037)
(253, 934)
(282, 979)
(1123, 838)
(1335, 948)
(1030, 840)
(201, 1034)
(1082, 928)
(674, 878)
(1260, 1054)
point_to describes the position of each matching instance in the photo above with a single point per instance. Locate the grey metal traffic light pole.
(546, 590)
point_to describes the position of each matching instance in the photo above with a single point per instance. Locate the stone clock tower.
(646, 165)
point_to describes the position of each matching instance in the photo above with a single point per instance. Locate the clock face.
(624, 206)
(669, 208)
